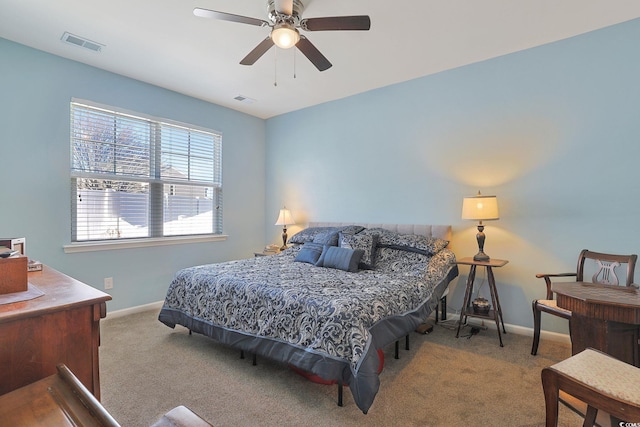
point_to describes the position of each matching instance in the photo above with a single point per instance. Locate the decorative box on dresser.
(62, 325)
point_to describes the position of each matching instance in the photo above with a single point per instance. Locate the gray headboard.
(440, 231)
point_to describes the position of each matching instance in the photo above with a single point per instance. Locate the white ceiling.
(161, 42)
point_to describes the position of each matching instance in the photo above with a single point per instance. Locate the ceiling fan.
(284, 21)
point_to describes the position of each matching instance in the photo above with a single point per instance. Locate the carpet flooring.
(146, 369)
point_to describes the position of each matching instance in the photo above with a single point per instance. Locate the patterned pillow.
(395, 260)
(308, 234)
(310, 253)
(365, 242)
(408, 242)
(342, 258)
(352, 229)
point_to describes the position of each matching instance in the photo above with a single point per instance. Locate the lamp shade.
(480, 208)
(285, 218)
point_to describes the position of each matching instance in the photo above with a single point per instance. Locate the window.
(138, 177)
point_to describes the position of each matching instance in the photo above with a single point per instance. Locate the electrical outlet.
(108, 282)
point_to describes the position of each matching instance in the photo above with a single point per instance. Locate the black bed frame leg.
(241, 354)
(406, 346)
(255, 359)
(443, 308)
(339, 393)
(189, 331)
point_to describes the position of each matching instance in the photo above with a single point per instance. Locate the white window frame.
(155, 235)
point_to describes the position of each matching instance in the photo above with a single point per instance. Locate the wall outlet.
(108, 282)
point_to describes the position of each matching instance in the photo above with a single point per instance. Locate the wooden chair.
(605, 273)
(597, 379)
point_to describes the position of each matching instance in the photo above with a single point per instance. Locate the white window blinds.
(134, 176)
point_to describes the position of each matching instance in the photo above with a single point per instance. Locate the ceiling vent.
(81, 42)
(244, 99)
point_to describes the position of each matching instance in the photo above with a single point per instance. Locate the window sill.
(107, 245)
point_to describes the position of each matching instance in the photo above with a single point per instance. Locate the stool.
(597, 379)
(181, 416)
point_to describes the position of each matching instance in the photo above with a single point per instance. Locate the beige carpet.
(147, 368)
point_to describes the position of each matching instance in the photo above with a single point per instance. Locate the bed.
(325, 305)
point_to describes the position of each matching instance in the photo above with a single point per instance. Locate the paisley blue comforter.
(323, 320)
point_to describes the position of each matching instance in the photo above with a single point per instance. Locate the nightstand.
(495, 313)
(257, 254)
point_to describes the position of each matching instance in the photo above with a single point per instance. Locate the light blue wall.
(35, 91)
(553, 131)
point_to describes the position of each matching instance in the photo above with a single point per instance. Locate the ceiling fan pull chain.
(275, 67)
(294, 63)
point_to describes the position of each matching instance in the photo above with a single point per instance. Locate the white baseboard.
(140, 308)
(515, 329)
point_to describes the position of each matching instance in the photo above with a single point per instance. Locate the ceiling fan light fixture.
(285, 36)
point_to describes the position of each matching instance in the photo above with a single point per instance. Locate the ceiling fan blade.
(336, 23)
(313, 54)
(214, 14)
(257, 52)
(284, 6)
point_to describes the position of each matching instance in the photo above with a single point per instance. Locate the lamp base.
(481, 256)
(284, 239)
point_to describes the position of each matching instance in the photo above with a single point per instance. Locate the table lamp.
(480, 208)
(284, 219)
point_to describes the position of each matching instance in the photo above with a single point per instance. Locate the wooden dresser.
(61, 326)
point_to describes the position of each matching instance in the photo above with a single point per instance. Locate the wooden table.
(58, 400)
(495, 313)
(61, 326)
(603, 317)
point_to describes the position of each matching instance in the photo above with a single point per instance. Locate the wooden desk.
(603, 317)
(61, 326)
(495, 313)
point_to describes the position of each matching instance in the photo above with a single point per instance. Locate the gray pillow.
(309, 252)
(308, 234)
(366, 242)
(342, 258)
(329, 238)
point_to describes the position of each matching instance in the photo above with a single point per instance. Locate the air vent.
(81, 42)
(244, 99)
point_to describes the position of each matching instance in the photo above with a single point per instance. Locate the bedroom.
(552, 131)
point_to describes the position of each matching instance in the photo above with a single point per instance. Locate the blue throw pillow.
(309, 252)
(342, 258)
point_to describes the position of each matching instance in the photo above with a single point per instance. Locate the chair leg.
(536, 327)
(551, 394)
(590, 416)
(339, 393)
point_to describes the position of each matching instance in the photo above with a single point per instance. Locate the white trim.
(514, 329)
(107, 245)
(133, 310)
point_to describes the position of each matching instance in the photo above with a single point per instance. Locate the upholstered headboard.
(440, 231)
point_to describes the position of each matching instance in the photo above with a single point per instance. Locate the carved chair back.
(604, 267)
